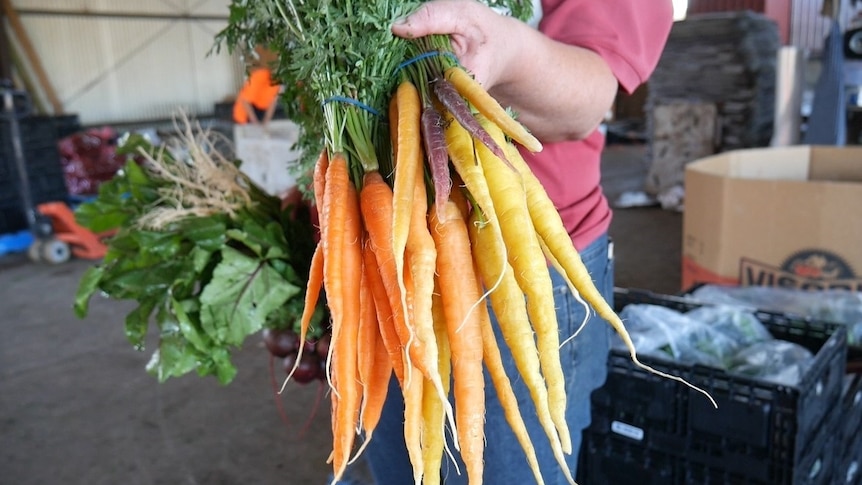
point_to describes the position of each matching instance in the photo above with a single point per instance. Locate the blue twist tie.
(358, 104)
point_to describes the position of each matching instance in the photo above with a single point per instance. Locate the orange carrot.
(376, 206)
(346, 393)
(318, 178)
(374, 368)
(334, 215)
(422, 257)
(312, 294)
(388, 334)
(459, 290)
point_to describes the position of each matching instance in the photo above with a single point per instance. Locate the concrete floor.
(82, 410)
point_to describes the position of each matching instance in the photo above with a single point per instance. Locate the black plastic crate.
(38, 137)
(35, 131)
(851, 410)
(849, 435)
(66, 125)
(849, 469)
(12, 217)
(608, 460)
(45, 181)
(651, 413)
(761, 430)
(817, 465)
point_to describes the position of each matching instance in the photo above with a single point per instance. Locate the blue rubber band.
(424, 55)
(358, 104)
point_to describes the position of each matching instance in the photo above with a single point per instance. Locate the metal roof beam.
(122, 15)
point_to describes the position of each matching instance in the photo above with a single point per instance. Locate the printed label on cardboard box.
(814, 269)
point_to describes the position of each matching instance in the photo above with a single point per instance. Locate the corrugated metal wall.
(113, 61)
(807, 27)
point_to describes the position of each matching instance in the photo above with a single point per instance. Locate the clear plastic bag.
(776, 361)
(661, 331)
(838, 306)
(738, 324)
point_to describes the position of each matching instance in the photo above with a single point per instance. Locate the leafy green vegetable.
(339, 63)
(206, 278)
(243, 292)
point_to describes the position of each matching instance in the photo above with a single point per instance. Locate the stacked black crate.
(761, 432)
(847, 433)
(39, 135)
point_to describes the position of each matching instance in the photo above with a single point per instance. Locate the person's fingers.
(437, 17)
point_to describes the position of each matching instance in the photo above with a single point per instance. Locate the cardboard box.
(788, 217)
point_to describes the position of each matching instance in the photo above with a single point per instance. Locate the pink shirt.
(629, 35)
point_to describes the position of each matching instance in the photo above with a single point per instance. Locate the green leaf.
(88, 285)
(200, 259)
(99, 216)
(266, 239)
(206, 232)
(225, 371)
(164, 245)
(190, 329)
(242, 293)
(174, 357)
(140, 185)
(138, 321)
(247, 240)
(150, 281)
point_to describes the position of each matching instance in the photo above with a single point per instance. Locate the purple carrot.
(455, 104)
(438, 156)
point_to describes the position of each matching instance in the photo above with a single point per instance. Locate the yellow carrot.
(532, 273)
(462, 153)
(414, 424)
(413, 391)
(471, 90)
(509, 306)
(506, 396)
(433, 436)
(556, 239)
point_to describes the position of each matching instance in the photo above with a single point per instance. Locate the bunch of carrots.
(410, 261)
(429, 220)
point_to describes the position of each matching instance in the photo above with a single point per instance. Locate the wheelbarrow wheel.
(34, 252)
(55, 251)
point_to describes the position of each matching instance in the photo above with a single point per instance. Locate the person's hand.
(511, 60)
(483, 40)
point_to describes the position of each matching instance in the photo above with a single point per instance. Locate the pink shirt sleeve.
(628, 34)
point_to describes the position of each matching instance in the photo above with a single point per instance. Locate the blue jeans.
(584, 364)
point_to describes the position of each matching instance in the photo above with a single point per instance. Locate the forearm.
(560, 92)
(249, 109)
(270, 111)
